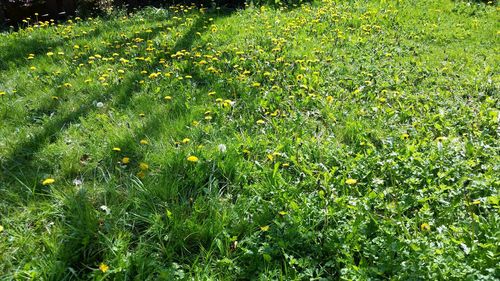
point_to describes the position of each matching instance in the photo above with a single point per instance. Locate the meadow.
(332, 140)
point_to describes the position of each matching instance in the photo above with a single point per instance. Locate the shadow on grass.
(80, 248)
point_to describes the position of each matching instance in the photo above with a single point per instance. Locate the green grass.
(335, 140)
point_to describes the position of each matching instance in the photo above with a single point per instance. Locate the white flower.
(99, 104)
(222, 147)
(105, 209)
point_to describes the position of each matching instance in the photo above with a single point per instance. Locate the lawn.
(332, 140)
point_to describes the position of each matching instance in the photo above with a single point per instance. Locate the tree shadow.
(20, 173)
(14, 53)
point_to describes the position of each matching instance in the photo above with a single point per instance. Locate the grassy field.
(346, 140)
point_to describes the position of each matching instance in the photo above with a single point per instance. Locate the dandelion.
(125, 160)
(351, 181)
(167, 98)
(2, 93)
(425, 227)
(103, 267)
(48, 181)
(264, 228)
(117, 149)
(50, 54)
(222, 147)
(143, 166)
(193, 159)
(1, 228)
(186, 140)
(261, 122)
(144, 142)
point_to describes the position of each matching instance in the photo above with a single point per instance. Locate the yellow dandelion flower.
(193, 159)
(144, 142)
(117, 149)
(33, 68)
(329, 99)
(48, 181)
(50, 54)
(351, 181)
(260, 122)
(103, 267)
(264, 228)
(186, 140)
(1, 228)
(143, 166)
(167, 98)
(2, 93)
(125, 160)
(425, 227)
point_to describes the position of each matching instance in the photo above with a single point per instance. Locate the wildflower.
(222, 147)
(143, 166)
(425, 227)
(2, 93)
(125, 160)
(167, 98)
(193, 159)
(1, 228)
(48, 181)
(144, 142)
(117, 149)
(50, 54)
(103, 267)
(186, 140)
(264, 228)
(329, 99)
(351, 181)
(405, 136)
(260, 122)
